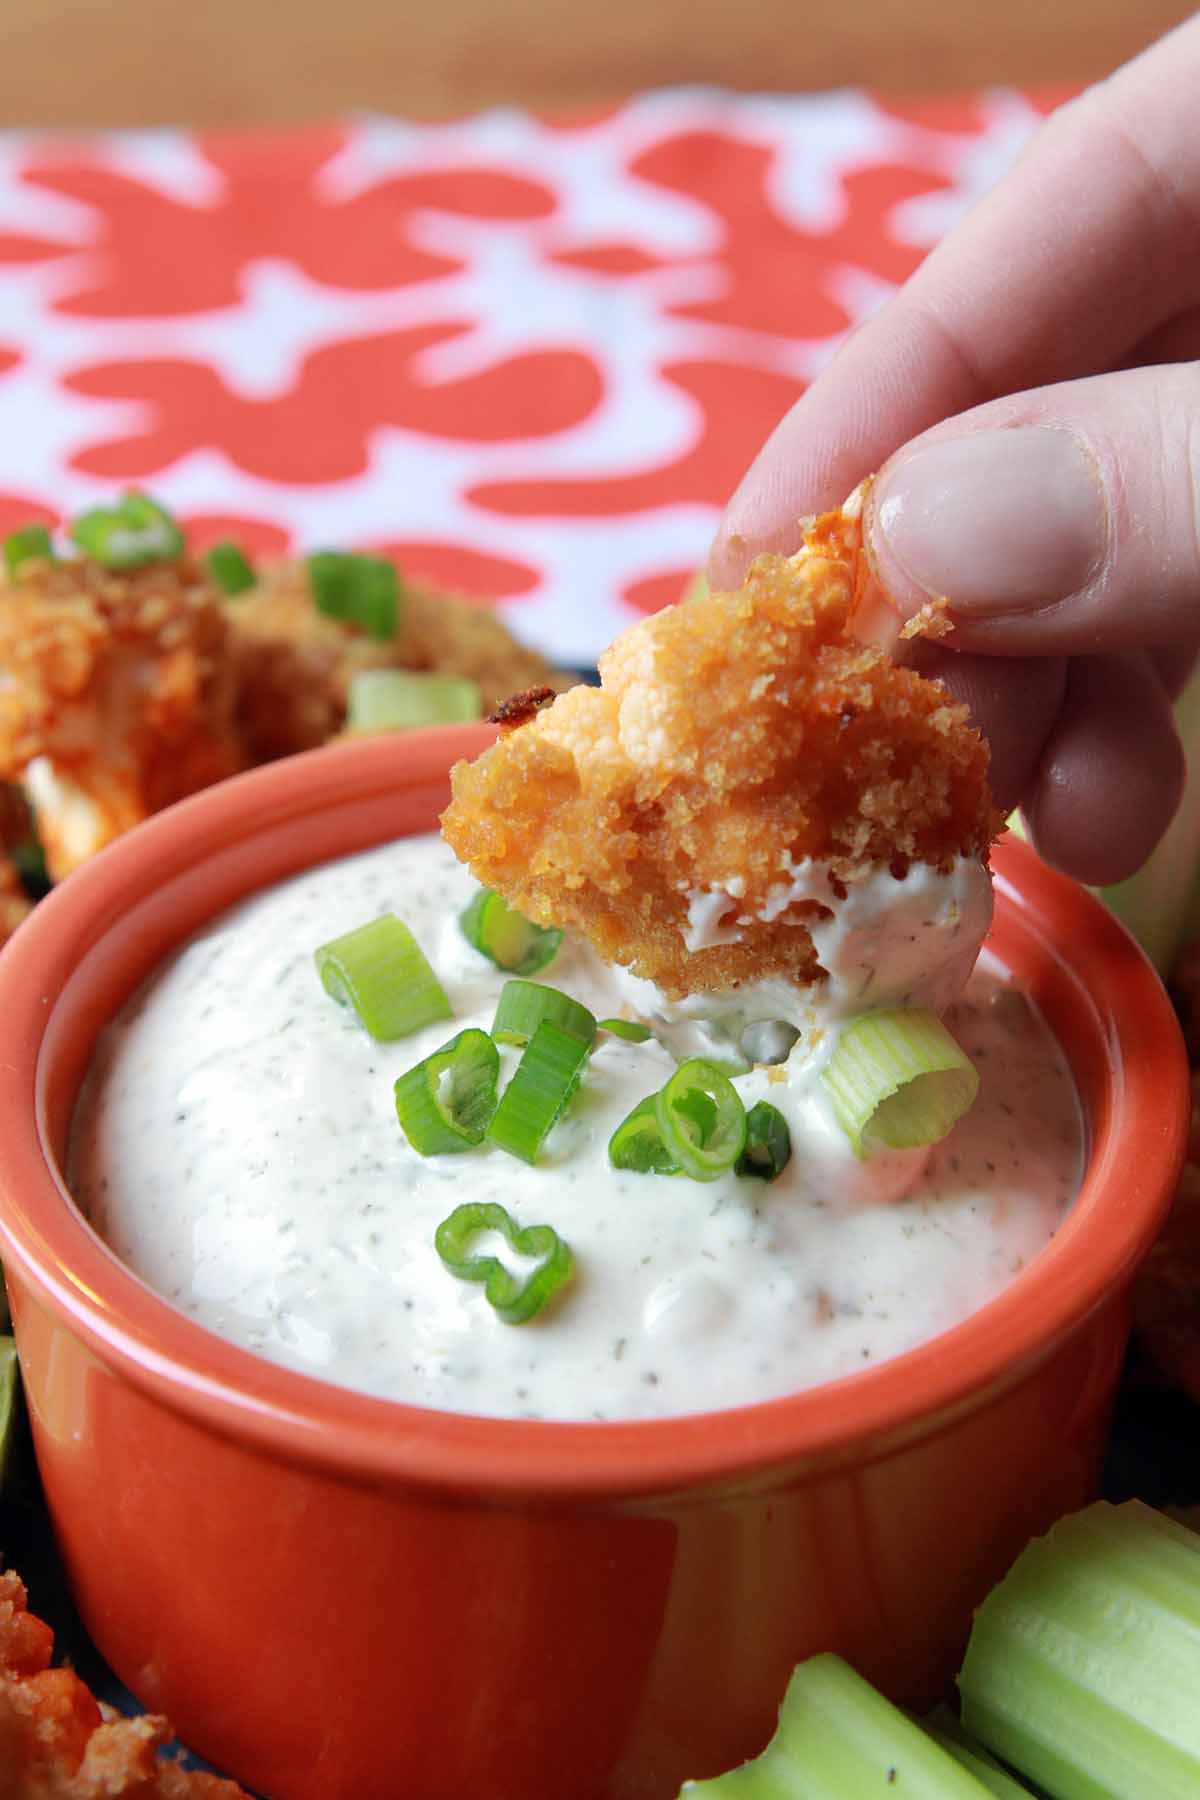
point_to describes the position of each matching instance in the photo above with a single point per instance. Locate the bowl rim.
(53, 1253)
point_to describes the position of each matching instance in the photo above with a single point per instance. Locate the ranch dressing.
(237, 1145)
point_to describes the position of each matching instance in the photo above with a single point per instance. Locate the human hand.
(1062, 521)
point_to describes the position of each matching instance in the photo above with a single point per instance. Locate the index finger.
(1086, 247)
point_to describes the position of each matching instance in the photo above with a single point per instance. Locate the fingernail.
(996, 522)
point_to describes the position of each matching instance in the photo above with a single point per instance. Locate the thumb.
(1059, 522)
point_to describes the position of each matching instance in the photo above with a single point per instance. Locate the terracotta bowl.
(334, 1596)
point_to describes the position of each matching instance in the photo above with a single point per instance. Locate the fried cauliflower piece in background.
(116, 697)
(58, 1743)
(293, 664)
(732, 739)
(15, 826)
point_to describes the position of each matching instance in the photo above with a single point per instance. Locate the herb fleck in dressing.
(237, 1145)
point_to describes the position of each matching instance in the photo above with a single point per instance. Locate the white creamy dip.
(237, 1145)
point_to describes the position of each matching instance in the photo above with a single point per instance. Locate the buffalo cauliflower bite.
(294, 664)
(733, 741)
(116, 697)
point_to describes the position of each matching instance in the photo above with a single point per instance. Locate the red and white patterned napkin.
(529, 356)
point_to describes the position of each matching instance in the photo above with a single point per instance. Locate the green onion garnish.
(629, 1029)
(702, 1119)
(511, 941)
(230, 569)
(513, 1297)
(840, 1739)
(404, 700)
(1084, 1664)
(126, 536)
(381, 971)
(32, 544)
(446, 1102)
(362, 590)
(637, 1143)
(523, 1005)
(898, 1080)
(768, 1142)
(540, 1091)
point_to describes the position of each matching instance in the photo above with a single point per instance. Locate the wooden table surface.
(141, 62)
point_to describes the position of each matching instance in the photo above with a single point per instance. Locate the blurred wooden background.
(144, 62)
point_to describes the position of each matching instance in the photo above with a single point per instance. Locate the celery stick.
(1160, 905)
(948, 1732)
(840, 1740)
(1083, 1669)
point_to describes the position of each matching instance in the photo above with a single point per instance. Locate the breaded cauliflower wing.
(294, 664)
(58, 1743)
(116, 696)
(732, 737)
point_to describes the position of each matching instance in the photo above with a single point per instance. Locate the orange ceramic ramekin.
(335, 1597)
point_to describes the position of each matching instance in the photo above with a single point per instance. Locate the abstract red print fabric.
(528, 358)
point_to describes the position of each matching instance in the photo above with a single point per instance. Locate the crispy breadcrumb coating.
(116, 696)
(294, 664)
(58, 1743)
(731, 739)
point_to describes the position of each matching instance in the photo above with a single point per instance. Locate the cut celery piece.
(840, 1740)
(404, 700)
(1083, 1669)
(1160, 905)
(949, 1733)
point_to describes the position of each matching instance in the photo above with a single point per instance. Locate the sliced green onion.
(768, 1142)
(381, 971)
(134, 532)
(540, 1091)
(898, 1080)
(637, 1143)
(513, 1297)
(510, 940)
(1083, 1668)
(839, 1739)
(523, 1005)
(702, 1119)
(32, 544)
(446, 1102)
(405, 700)
(230, 568)
(629, 1029)
(362, 590)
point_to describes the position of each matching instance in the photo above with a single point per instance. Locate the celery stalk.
(1160, 905)
(840, 1740)
(1083, 1669)
(948, 1731)
(10, 1400)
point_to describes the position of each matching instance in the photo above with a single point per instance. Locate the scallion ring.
(630, 1029)
(702, 1119)
(31, 544)
(360, 590)
(898, 1080)
(446, 1102)
(513, 1297)
(540, 1091)
(637, 1143)
(127, 536)
(523, 1005)
(406, 699)
(230, 568)
(506, 937)
(382, 972)
(768, 1142)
